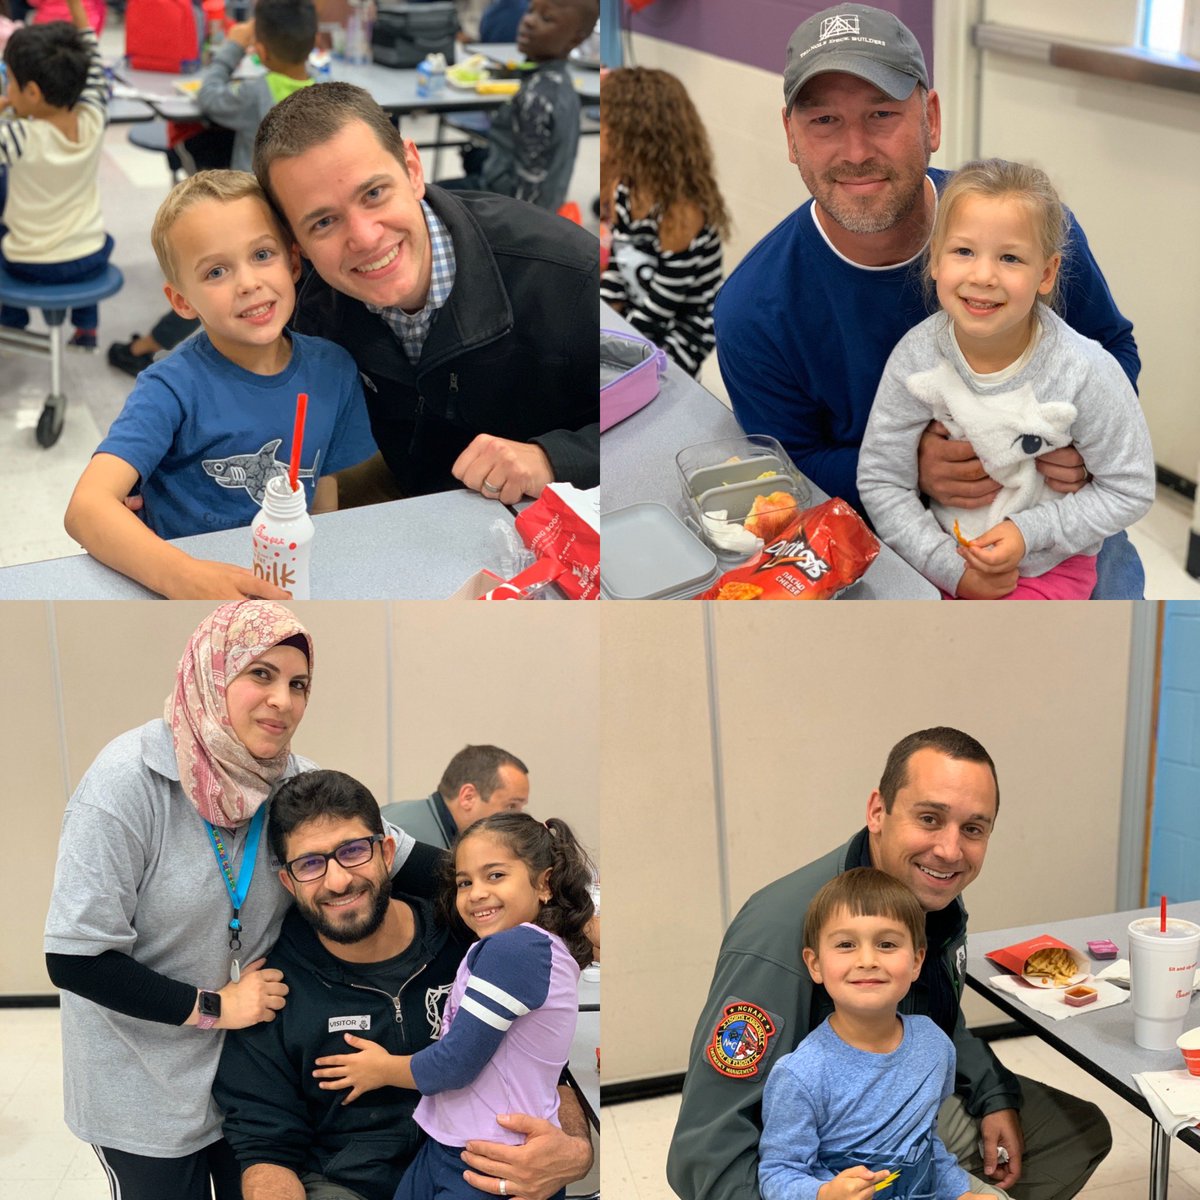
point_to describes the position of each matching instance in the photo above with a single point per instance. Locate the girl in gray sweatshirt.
(1001, 370)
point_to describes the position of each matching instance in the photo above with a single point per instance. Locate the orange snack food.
(816, 554)
(958, 536)
(739, 591)
(769, 515)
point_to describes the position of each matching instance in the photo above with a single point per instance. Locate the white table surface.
(424, 548)
(637, 462)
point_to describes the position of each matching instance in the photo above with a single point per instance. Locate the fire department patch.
(740, 1039)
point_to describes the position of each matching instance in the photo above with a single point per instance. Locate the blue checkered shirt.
(411, 329)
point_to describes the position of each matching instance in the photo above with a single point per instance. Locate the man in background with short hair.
(478, 781)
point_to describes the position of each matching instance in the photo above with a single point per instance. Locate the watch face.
(210, 1004)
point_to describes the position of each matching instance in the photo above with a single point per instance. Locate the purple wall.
(756, 32)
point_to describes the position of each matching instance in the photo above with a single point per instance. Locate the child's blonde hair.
(225, 186)
(997, 178)
(864, 892)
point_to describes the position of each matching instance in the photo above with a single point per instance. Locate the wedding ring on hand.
(503, 1182)
(492, 490)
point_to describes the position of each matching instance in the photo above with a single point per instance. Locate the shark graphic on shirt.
(251, 471)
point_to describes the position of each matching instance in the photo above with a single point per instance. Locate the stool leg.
(50, 423)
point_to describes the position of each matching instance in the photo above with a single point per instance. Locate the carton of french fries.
(1043, 962)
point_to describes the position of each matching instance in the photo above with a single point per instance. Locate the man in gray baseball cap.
(806, 321)
(858, 40)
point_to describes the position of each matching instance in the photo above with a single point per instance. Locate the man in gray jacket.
(477, 781)
(928, 825)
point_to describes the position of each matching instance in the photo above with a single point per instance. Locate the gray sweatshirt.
(1070, 391)
(240, 104)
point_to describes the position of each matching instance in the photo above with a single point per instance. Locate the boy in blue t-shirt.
(851, 1113)
(204, 429)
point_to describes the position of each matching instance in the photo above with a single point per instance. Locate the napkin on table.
(1173, 1096)
(1118, 972)
(1049, 1001)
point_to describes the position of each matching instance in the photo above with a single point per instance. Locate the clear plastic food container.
(726, 482)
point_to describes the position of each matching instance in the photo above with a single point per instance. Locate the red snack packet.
(819, 552)
(552, 528)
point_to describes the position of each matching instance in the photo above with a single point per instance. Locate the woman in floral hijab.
(165, 903)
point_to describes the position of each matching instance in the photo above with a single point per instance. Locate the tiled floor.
(634, 1137)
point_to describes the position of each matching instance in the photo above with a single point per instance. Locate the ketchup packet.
(562, 525)
(819, 552)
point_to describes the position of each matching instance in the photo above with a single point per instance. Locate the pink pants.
(1073, 579)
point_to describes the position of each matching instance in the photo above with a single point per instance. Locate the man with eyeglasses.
(359, 961)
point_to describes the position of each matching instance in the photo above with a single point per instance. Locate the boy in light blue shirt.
(851, 1113)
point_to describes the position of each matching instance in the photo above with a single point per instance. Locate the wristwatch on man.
(210, 1009)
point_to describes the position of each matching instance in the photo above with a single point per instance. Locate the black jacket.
(274, 1110)
(513, 352)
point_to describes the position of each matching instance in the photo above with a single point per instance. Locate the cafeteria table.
(394, 89)
(584, 1061)
(1100, 1042)
(423, 548)
(637, 462)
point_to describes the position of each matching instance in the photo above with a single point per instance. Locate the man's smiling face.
(935, 838)
(355, 210)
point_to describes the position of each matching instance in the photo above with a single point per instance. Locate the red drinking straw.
(298, 439)
(1162, 917)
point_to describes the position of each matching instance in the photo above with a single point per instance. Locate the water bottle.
(282, 533)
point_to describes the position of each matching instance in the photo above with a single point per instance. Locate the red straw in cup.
(1162, 917)
(294, 480)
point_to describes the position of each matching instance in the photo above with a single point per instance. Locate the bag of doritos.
(818, 552)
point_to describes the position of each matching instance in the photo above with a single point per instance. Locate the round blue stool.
(55, 300)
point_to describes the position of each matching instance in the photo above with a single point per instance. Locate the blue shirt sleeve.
(145, 429)
(1088, 307)
(510, 976)
(788, 1168)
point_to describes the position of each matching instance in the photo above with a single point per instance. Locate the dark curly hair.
(655, 142)
(539, 846)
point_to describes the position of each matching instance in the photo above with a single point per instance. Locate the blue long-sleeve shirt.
(828, 1107)
(803, 335)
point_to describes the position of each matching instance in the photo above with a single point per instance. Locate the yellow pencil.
(888, 1181)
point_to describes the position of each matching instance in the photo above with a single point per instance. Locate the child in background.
(282, 34)
(856, 1103)
(46, 11)
(659, 193)
(1001, 370)
(204, 429)
(50, 143)
(523, 887)
(534, 137)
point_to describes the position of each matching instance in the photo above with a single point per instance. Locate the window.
(1161, 27)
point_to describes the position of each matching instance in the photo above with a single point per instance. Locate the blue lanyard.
(237, 892)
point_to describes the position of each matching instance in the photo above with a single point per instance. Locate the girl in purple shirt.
(522, 887)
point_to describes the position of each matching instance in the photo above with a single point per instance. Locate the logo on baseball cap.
(859, 40)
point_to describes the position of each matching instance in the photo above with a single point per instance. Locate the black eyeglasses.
(353, 853)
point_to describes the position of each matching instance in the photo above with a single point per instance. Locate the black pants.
(135, 1177)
